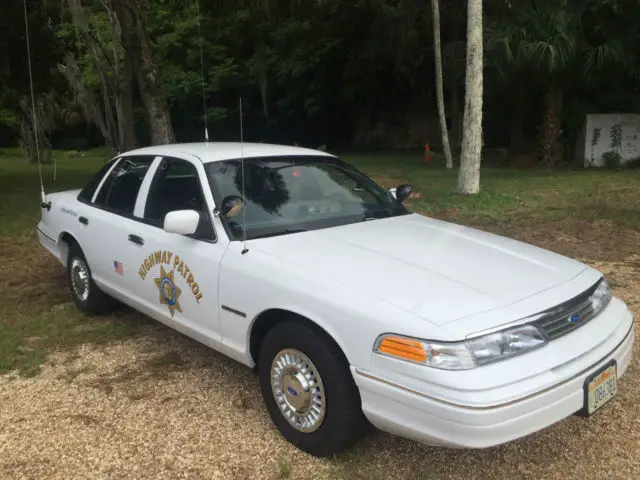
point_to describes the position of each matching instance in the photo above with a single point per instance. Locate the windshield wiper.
(384, 213)
(377, 215)
(281, 232)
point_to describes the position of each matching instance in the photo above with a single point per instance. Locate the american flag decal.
(117, 266)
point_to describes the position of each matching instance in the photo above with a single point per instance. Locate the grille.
(556, 322)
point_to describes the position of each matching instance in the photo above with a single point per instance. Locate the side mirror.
(231, 206)
(183, 222)
(403, 191)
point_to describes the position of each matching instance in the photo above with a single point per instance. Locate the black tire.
(344, 423)
(96, 302)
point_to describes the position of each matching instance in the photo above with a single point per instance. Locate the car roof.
(217, 151)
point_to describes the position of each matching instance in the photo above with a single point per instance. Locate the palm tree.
(469, 175)
(544, 40)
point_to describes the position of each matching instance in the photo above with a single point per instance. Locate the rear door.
(106, 240)
(177, 275)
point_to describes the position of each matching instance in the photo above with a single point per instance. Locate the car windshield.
(296, 193)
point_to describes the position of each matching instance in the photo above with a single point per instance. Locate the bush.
(612, 159)
(634, 163)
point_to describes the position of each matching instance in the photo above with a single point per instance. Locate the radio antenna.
(204, 103)
(244, 206)
(33, 105)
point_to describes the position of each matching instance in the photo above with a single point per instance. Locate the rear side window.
(86, 194)
(120, 189)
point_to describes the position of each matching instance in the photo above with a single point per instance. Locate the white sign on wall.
(611, 132)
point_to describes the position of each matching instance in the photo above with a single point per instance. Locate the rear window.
(86, 194)
(120, 189)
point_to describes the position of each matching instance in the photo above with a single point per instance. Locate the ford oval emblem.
(292, 391)
(575, 318)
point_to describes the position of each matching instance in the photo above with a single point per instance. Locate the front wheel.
(86, 294)
(309, 391)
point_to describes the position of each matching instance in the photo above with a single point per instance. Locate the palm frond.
(601, 56)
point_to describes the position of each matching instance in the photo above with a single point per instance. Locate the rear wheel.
(309, 391)
(86, 294)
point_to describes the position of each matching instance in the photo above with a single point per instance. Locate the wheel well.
(269, 319)
(66, 241)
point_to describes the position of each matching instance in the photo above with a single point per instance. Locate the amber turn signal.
(404, 348)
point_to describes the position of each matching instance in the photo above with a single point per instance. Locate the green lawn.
(36, 312)
(508, 193)
(36, 315)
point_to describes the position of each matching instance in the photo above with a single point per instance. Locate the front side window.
(120, 189)
(298, 193)
(176, 186)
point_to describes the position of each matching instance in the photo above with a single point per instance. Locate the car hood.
(437, 270)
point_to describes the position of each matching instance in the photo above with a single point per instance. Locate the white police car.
(354, 310)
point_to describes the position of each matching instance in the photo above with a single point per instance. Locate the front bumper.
(411, 413)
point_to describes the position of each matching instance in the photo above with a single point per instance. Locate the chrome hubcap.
(80, 279)
(298, 390)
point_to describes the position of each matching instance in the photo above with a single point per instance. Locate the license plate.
(601, 387)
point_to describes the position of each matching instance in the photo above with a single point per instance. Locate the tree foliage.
(345, 74)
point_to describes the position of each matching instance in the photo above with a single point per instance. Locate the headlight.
(462, 355)
(506, 343)
(600, 297)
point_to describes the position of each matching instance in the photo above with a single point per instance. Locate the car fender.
(257, 282)
(298, 310)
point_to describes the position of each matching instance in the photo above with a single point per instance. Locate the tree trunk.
(263, 81)
(549, 146)
(516, 135)
(124, 88)
(469, 176)
(435, 6)
(136, 43)
(125, 107)
(456, 120)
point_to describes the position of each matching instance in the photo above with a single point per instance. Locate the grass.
(27, 338)
(284, 468)
(36, 312)
(505, 193)
(37, 316)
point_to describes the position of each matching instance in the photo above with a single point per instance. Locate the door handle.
(136, 239)
(83, 220)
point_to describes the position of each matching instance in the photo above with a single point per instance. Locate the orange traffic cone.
(427, 153)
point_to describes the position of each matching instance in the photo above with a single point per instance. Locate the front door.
(177, 275)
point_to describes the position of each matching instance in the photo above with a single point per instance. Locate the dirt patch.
(33, 279)
(205, 419)
(594, 240)
(576, 238)
(184, 424)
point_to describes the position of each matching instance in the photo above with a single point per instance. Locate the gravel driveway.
(162, 406)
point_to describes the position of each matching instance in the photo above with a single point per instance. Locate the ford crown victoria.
(353, 310)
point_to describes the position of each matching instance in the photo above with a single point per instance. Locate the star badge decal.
(169, 293)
